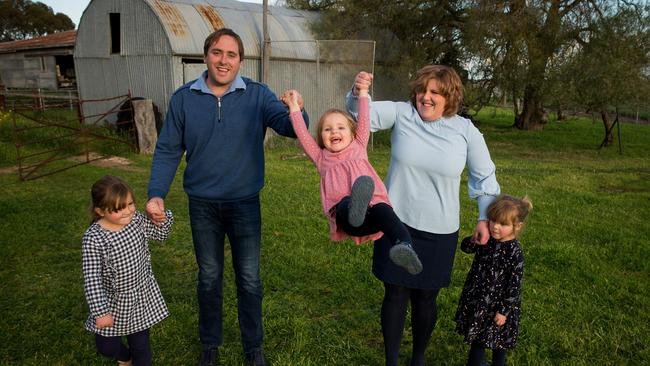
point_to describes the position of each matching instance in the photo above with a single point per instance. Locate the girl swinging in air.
(353, 196)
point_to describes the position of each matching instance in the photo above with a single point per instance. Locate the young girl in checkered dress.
(120, 288)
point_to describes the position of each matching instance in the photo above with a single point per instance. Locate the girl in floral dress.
(490, 304)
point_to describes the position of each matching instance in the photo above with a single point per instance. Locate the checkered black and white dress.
(118, 278)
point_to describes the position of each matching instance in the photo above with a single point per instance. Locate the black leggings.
(424, 312)
(379, 217)
(138, 351)
(476, 352)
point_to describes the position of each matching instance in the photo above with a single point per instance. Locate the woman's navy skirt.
(436, 252)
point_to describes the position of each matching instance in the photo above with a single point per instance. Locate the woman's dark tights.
(393, 314)
(476, 352)
(138, 351)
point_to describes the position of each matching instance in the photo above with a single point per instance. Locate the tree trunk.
(609, 126)
(532, 114)
(560, 114)
(515, 102)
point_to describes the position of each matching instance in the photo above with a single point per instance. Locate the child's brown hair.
(321, 121)
(509, 210)
(109, 194)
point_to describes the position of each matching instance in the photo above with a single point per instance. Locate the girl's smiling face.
(116, 220)
(429, 102)
(336, 132)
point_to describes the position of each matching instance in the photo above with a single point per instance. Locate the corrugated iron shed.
(152, 47)
(188, 22)
(55, 40)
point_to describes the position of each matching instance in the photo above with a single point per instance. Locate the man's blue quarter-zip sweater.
(223, 138)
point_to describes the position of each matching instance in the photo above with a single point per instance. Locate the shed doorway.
(65, 75)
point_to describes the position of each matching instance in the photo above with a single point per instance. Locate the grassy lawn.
(586, 283)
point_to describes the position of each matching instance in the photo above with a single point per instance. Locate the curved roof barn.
(152, 47)
(179, 27)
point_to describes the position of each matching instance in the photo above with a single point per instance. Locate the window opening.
(115, 32)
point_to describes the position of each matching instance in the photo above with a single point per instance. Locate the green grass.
(586, 281)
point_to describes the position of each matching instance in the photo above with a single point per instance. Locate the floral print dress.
(493, 285)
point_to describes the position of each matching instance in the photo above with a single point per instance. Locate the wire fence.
(38, 98)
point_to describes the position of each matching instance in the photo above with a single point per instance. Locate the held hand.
(156, 210)
(500, 319)
(481, 233)
(362, 82)
(105, 321)
(292, 99)
(301, 102)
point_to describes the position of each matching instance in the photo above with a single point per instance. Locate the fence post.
(83, 128)
(144, 121)
(38, 100)
(17, 143)
(3, 101)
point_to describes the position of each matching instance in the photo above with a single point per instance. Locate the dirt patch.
(108, 162)
(9, 170)
(97, 160)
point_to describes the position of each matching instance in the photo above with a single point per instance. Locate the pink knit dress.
(339, 170)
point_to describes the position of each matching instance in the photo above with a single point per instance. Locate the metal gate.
(51, 133)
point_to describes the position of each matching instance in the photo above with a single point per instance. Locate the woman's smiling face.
(429, 102)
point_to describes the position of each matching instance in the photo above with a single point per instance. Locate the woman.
(430, 147)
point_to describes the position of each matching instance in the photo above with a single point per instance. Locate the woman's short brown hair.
(451, 87)
(321, 120)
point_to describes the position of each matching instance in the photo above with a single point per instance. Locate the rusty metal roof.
(55, 40)
(188, 22)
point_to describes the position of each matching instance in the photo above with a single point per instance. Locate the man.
(219, 122)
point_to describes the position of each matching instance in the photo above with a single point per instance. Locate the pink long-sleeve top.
(339, 170)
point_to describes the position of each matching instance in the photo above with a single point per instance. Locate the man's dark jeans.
(241, 221)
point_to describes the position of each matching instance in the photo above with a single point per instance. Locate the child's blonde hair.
(509, 210)
(109, 194)
(329, 112)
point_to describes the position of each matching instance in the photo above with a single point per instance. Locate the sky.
(74, 8)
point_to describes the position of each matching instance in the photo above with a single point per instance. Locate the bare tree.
(409, 33)
(613, 69)
(519, 39)
(526, 50)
